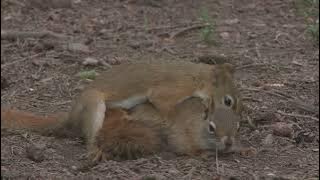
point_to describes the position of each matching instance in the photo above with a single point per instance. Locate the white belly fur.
(128, 103)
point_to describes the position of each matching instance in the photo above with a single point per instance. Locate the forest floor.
(269, 42)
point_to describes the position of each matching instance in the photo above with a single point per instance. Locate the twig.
(10, 132)
(189, 175)
(20, 60)
(251, 99)
(267, 92)
(251, 65)
(281, 34)
(169, 50)
(14, 35)
(297, 115)
(170, 27)
(303, 106)
(284, 94)
(12, 150)
(184, 30)
(257, 51)
(217, 162)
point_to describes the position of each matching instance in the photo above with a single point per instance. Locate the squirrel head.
(224, 118)
(223, 127)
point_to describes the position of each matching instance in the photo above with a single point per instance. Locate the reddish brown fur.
(127, 137)
(19, 119)
(123, 138)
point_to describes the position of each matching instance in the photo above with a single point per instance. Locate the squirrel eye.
(228, 100)
(212, 127)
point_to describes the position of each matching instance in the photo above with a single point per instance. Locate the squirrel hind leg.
(88, 114)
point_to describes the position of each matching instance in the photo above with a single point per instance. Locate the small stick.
(297, 115)
(217, 161)
(20, 60)
(258, 51)
(251, 65)
(184, 30)
(14, 35)
(169, 27)
(250, 99)
(303, 106)
(189, 175)
(268, 92)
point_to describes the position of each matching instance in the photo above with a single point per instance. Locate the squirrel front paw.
(248, 152)
(97, 155)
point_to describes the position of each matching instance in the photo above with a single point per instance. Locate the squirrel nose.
(227, 141)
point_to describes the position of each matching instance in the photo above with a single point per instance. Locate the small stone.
(35, 76)
(256, 132)
(78, 47)
(89, 61)
(282, 129)
(268, 140)
(102, 32)
(35, 153)
(135, 45)
(232, 21)
(271, 174)
(252, 35)
(257, 84)
(307, 137)
(173, 171)
(225, 35)
(200, 46)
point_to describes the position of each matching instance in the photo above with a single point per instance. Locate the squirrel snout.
(227, 141)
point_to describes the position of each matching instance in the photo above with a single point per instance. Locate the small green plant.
(310, 10)
(89, 74)
(145, 22)
(314, 31)
(207, 32)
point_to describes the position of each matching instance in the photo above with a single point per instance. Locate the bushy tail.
(15, 119)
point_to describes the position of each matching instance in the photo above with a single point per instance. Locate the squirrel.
(142, 131)
(106, 103)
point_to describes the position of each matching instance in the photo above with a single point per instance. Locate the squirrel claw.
(96, 155)
(248, 152)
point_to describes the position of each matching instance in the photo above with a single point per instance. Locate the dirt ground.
(277, 73)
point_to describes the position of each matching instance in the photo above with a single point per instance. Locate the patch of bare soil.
(277, 73)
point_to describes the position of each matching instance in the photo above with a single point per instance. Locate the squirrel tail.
(15, 119)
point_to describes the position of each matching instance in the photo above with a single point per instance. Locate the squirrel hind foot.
(124, 151)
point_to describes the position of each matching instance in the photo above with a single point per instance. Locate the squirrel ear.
(229, 68)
